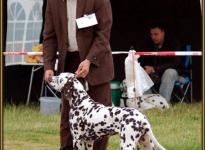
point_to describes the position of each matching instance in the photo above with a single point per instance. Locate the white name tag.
(86, 21)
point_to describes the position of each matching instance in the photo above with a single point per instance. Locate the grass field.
(25, 128)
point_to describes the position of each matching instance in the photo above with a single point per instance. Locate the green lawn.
(178, 128)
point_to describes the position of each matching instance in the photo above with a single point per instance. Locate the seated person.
(164, 70)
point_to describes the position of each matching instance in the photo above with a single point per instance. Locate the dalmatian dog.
(143, 102)
(90, 120)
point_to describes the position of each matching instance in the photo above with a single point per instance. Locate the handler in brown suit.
(82, 50)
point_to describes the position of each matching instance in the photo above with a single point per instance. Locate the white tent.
(24, 25)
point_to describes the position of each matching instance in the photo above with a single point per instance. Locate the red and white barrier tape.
(165, 53)
(22, 53)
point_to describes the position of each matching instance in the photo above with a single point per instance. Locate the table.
(35, 67)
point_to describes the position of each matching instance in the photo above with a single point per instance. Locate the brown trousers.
(100, 93)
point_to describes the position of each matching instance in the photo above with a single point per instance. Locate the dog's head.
(68, 85)
(58, 82)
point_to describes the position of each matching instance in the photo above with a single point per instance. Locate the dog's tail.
(156, 143)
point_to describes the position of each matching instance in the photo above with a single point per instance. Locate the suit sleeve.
(49, 39)
(101, 43)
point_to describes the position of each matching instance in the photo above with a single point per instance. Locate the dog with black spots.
(143, 102)
(90, 120)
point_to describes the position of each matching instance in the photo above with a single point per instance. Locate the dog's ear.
(68, 90)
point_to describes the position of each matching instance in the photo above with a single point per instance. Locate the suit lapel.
(63, 7)
(79, 12)
(63, 13)
(80, 8)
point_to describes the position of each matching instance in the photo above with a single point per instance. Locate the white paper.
(86, 21)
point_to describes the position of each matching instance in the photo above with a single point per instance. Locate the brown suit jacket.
(93, 42)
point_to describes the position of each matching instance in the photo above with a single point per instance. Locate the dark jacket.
(93, 42)
(161, 63)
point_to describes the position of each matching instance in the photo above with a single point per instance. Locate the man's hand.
(83, 69)
(48, 74)
(149, 69)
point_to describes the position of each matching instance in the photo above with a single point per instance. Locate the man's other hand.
(48, 75)
(83, 69)
(149, 69)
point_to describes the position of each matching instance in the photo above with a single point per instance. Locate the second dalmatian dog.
(143, 102)
(90, 120)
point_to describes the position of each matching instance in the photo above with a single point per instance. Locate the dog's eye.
(61, 80)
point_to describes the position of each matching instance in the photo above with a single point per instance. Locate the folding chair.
(184, 87)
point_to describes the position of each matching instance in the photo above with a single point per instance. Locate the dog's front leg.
(89, 145)
(77, 144)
